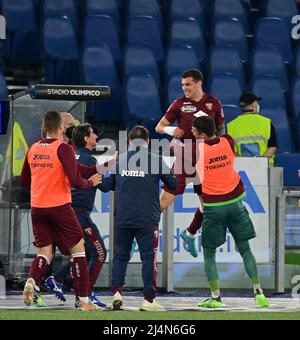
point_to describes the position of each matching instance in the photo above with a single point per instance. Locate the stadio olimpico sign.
(69, 92)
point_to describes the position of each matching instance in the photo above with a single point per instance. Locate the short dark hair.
(52, 122)
(205, 125)
(79, 133)
(138, 132)
(193, 73)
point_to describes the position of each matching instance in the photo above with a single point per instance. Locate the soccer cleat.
(211, 303)
(117, 301)
(93, 299)
(151, 307)
(39, 301)
(28, 292)
(56, 288)
(190, 241)
(261, 300)
(88, 307)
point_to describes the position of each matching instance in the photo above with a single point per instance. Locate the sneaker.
(93, 299)
(211, 303)
(190, 241)
(88, 307)
(117, 301)
(261, 300)
(56, 288)
(151, 307)
(28, 292)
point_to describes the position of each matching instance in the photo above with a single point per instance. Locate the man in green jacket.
(254, 134)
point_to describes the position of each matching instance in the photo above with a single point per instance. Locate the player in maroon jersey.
(194, 103)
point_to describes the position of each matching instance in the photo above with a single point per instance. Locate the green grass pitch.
(76, 315)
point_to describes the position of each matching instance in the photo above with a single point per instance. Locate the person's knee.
(243, 248)
(46, 252)
(78, 248)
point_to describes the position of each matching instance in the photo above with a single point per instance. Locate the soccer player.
(184, 110)
(83, 201)
(50, 169)
(222, 194)
(137, 214)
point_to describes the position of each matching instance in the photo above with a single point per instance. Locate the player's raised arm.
(163, 127)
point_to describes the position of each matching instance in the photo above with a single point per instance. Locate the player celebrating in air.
(184, 110)
(222, 193)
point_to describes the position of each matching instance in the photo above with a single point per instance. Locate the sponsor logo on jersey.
(131, 173)
(189, 108)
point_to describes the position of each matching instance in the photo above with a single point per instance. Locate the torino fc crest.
(209, 106)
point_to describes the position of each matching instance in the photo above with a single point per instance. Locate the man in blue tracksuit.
(83, 202)
(137, 213)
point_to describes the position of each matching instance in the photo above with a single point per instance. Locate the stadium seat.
(23, 46)
(3, 87)
(104, 7)
(142, 98)
(59, 38)
(99, 69)
(61, 51)
(231, 112)
(188, 32)
(273, 31)
(231, 32)
(270, 90)
(174, 89)
(282, 9)
(180, 11)
(62, 8)
(179, 59)
(280, 121)
(295, 97)
(140, 59)
(226, 87)
(297, 130)
(146, 7)
(290, 163)
(20, 15)
(145, 30)
(231, 9)
(106, 34)
(226, 59)
(267, 61)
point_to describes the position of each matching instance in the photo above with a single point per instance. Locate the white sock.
(189, 234)
(216, 294)
(84, 299)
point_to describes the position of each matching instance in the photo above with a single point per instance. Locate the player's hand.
(96, 179)
(178, 133)
(299, 202)
(299, 173)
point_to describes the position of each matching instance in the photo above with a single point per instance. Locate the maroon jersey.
(183, 110)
